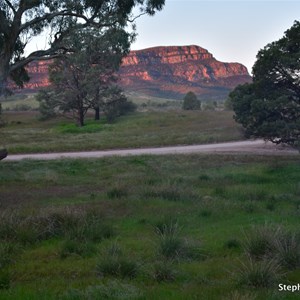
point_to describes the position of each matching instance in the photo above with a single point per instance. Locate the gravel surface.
(259, 147)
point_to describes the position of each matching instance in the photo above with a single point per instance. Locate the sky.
(233, 31)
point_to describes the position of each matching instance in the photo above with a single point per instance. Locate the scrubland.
(145, 227)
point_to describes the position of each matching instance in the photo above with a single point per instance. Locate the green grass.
(24, 133)
(176, 227)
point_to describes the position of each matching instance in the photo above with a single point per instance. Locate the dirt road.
(251, 146)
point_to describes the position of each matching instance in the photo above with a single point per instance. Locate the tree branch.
(10, 6)
(4, 26)
(37, 55)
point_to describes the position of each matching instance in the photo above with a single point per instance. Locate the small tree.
(269, 107)
(116, 104)
(80, 80)
(190, 102)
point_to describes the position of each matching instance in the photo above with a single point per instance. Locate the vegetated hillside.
(166, 72)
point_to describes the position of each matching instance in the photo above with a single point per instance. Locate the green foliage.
(86, 79)
(64, 19)
(149, 129)
(115, 104)
(75, 207)
(190, 102)
(83, 80)
(270, 106)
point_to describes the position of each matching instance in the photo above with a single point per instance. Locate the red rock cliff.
(173, 71)
(166, 71)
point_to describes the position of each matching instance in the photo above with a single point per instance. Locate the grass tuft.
(259, 274)
(115, 263)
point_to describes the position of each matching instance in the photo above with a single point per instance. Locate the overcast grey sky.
(233, 31)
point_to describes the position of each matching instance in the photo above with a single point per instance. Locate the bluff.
(173, 71)
(166, 71)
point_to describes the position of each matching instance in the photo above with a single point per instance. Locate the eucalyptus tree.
(269, 107)
(22, 20)
(84, 79)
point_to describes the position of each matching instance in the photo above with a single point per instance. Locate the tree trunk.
(97, 113)
(3, 153)
(80, 118)
(4, 67)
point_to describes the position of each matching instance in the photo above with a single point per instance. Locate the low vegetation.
(150, 227)
(154, 127)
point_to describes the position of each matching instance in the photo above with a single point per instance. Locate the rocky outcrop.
(166, 71)
(173, 71)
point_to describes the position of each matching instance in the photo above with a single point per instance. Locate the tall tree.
(269, 107)
(21, 20)
(83, 79)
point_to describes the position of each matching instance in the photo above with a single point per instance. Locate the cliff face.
(166, 71)
(173, 71)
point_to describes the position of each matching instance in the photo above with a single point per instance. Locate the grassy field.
(20, 102)
(150, 227)
(24, 133)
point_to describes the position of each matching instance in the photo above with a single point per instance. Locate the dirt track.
(251, 146)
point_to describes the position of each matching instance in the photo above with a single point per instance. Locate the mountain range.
(168, 72)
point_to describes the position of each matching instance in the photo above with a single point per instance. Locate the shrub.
(190, 102)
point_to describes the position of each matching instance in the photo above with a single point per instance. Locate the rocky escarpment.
(173, 71)
(166, 71)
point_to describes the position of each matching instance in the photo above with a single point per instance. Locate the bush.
(190, 102)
